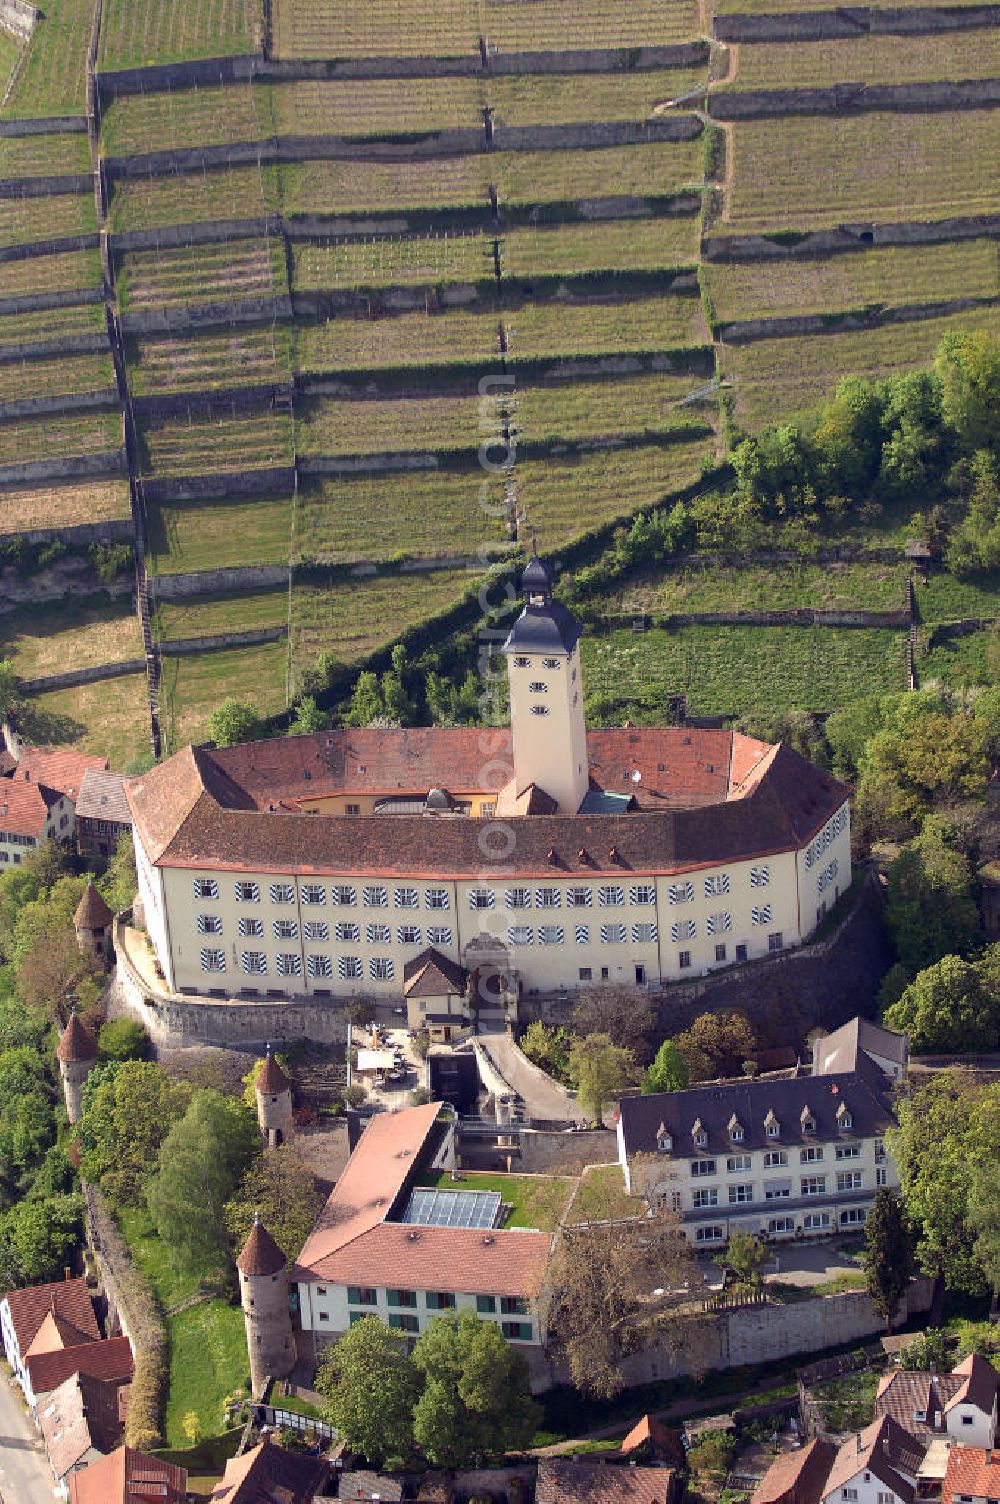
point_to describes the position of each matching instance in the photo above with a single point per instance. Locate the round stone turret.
(264, 1296)
(77, 1056)
(274, 1103)
(94, 923)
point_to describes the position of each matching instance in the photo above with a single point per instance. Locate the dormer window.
(772, 1128)
(664, 1141)
(699, 1135)
(808, 1121)
(844, 1119)
(735, 1129)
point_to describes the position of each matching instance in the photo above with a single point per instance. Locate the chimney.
(67, 1272)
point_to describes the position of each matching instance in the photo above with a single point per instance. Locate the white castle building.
(537, 858)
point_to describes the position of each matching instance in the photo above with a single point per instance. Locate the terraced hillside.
(323, 305)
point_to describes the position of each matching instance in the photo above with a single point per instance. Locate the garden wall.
(850, 21)
(170, 587)
(32, 248)
(75, 676)
(200, 315)
(71, 402)
(853, 98)
(848, 237)
(183, 646)
(110, 462)
(278, 478)
(796, 325)
(545, 1151)
(580, 60)
(33, 302)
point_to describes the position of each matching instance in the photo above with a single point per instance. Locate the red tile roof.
(92, 912)
(30, 1306)
(267, 1474)
(60, 768)
(54, 1334)
(567, 1480)
(272, 1080)
(973, 1472)
(797, 1477)
(260, 1254)
(191, 812)
(979, 1386)
(81, 1413)
(881, 1448)
(662, 1440)
(124, 1478)
(24, 807)
(110, 1359)
(76, 1042)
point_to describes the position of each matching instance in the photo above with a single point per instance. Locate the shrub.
(355, 1094)
(123, 1039)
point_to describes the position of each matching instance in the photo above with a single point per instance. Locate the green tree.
(930, 910)
(235, 721)
(984, 1219)
(744, 1258)
(476, 1401)
(549, 1047)
(716, 1044)
(36, 1238)
(890, 1262)
(119, 882)
(600, 1070)
(123, 1039)
(370, 1385)
(669, 1070)
(366, 704)
(8, 687)
(128, 1111)
(202, 1160)
(946, 1008)
(968, 367)
(280, 1186)
(948, 1131)
(309, 719)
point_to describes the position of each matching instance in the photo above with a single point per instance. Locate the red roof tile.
(567, 1480)
(260, 1254)
(267, 1473)
(30, 1306)
(797, 1477)
(24, 807)
(76, 1042)
(662, 1440)
(81, 1413)
(120, 1479)
(60, 768)
(110, 1359)
(54, 1334)
(510, 1261)
(881, 1448)
(973, 1472)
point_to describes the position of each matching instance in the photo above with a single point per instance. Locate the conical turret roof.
(92, 912)
(260, 1254)
(272, 1079)
(76, 1042)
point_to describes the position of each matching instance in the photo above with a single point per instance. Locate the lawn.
(945, 598)
(377, 106)
(961, 660)
(536, 1201)
(777, 378)
(78, 632)
(355, 617)
(413, 261)
(243, 355)
(54, 507)
(201, 446)
(44, 156)
(583, 409)
(64, 375)
(829, 284)
(622, 245)
(874, 59)
(392, 28)
(219, 272)
(171, 1281)
(208, 1361)
(43, 438)
(790, 171)
(190, 535)
(23, 220)
(191, 688)
(512, 26)
(110, 718)
(602, 1194)
(56, 273)
(52, 79)
(171, 31)
(733, 670)
(148, 203)
(782, 587)
(211, 615)
(566, 98)
(421, 513)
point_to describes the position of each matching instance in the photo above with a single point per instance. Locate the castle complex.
(539, 858)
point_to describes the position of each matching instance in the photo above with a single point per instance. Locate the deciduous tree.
(716, 1044)
(669, 1070)
(128, 1111)
(624, 1013)
(280, 1186)
(370, 1385)
(235, 721)
(889, 1254)
(600, 1070)
(476, 1400)
(201, 1161)
(947, 1008)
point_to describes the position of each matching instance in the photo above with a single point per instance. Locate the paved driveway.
(543, 1097)
(25, 1477)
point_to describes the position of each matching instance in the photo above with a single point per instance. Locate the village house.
(268, 1472)
(539, 858)
(102, 814)
(802, 1155)
(81, 1420)
(50, 1332)
(39, 787)
(797, 1477)
(589, 1480)
(973, 1477)
(877, 1466)
(129, 1477)
(961, 1405)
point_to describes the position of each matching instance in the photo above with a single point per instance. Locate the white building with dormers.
(536, 858)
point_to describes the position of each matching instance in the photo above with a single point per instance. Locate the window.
(718, 924)
(760, 877)
(815, 1221)
(439, 1300)
(289, 964)
(436, 898)
(761, 915)
(704, 1196)
(849, 1180)
(254, 962)
(885, 1497)
(210, 924)
(403, 1323)
(812, 1155)
(683, 929)
(539, 710)
(827, 876)
(516, 1331)
(642, 893)
(408, 934)
(247, 892)
(316, 929)
(737, 1162)
(781, 1224)
(813, 1185)
(702, 1167)
(513, 1305)
(684, 960)
(520, 934)
(486, 1304)
(741, 953)
(212, 960)
(438, 934)
(286, 929)
(881, 1176)
(586, 974)
(518, 898)
(406, 898)
(848, 1151)
(282, 893)
(579, 898)
(583, 938)
(538, 687)
(711, 1233)
(376, 898)
(381, 969)
(550, 663)
(547, 898)
(251, 929)
(346, 930)
(739, 1195)
(206, 887)
(361, 1295)
(378, 934)
(349, 968)
(644, 934)
(775, 1158)
(880, 1151)
(551, 934)
(681, 892)
(716, 886)
(344, 895)
(481, 898)
(613, 934)
(522, 662)
(720, 952)
(319, 966)
(610, 896)
(352, 809)
(313, 894)
(777, 1190)
(775, 941)
(853, 1217)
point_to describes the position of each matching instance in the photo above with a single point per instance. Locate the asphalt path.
(25, 1476)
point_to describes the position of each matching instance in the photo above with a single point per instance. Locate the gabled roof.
(839, 1051)
(797, 1477)
(433, 975)
(29, 1307)
(110, 1359)
(56, 1333)
(79, 1415)
(979, 1384)
(124, 1478)
(260, 1254)
(663, 1441)
(76, 1043)
(267, 1473)
(92, 912)
(882, 1448)
(102, 797)
(907, 1393)
(972, 1472)
(61, 768)
(571, 1480)
(24, 807)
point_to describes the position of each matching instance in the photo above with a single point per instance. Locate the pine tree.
(889, 1254)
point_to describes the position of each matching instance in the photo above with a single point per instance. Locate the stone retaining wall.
(72, 402)
(201, 72)
(201, 233)
(480, 221)
(742, 331)
(848, 237)
(42, 349)
(76, 536)
(170, 587)
(195, 316)
(225, 483)
(186, 646)
(245, 399)
(69, 182)
(854, 98)
(32, 248)
(33, 472)
(580, 60)
(75, 676)
(38, 302)
(850, 21)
